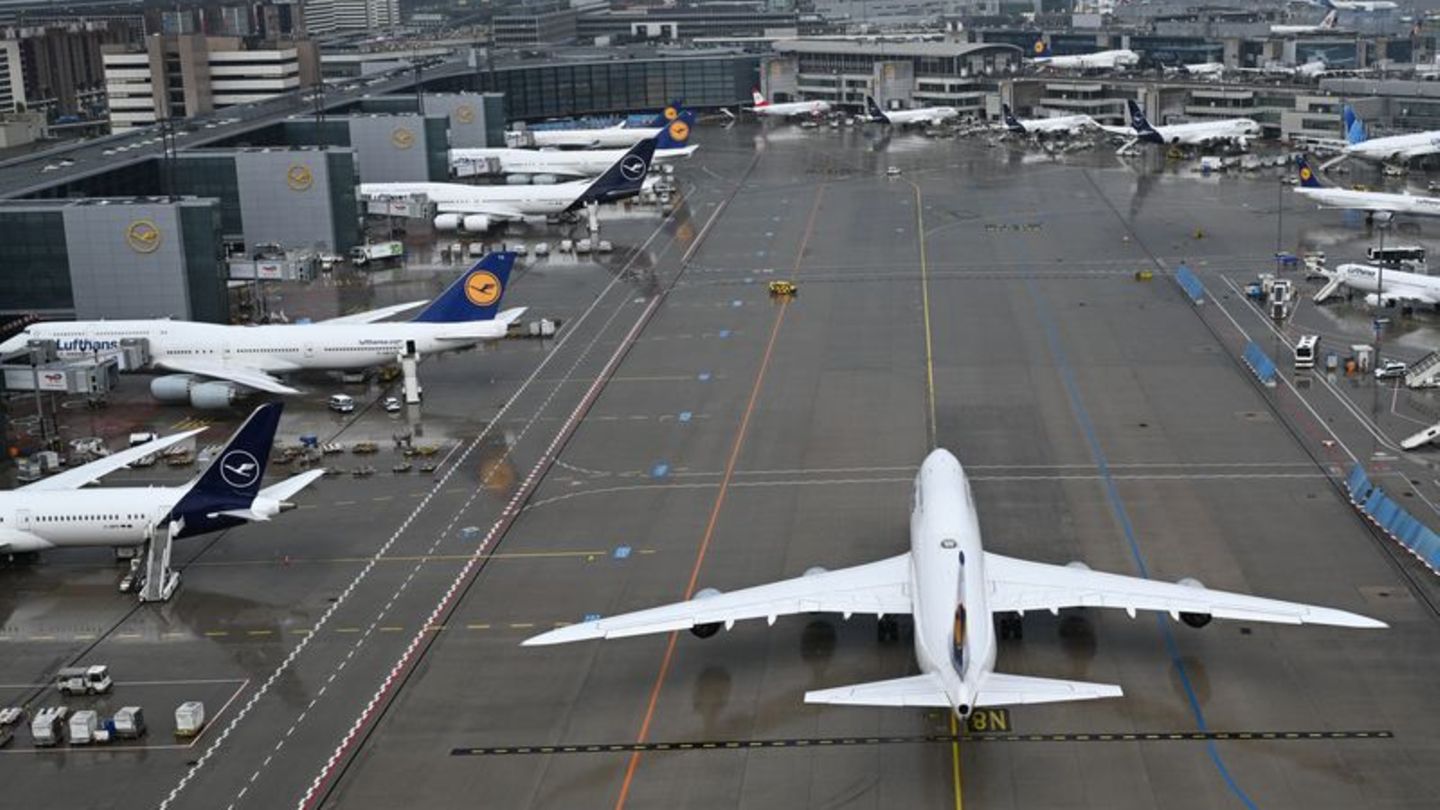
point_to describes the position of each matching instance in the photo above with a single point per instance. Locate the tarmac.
(686, 430)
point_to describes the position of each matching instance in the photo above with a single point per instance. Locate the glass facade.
(345, 209)
(205, 274)
(198, 174)
(35, 275)
(563, 90)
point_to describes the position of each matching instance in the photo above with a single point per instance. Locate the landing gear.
(1010, 626)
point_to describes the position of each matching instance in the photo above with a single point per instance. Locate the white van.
(341, 403)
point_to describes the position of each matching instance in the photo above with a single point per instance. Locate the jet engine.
(447, 222)
(1375, 300)
(212, 395)
(710, 628)
(188, 388)
(477, 223)
(1196, 620)
(173, 387)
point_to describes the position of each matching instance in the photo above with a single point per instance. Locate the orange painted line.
(704, 549)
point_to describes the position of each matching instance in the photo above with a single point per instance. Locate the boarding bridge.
(1425, 373)
(160, 579)
(1331, 287)
(1422, 438)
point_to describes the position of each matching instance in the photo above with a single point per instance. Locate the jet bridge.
(1425, 373)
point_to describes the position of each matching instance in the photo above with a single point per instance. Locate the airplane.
(929, 116)
(472, 208)
(217, 364)
(1378, 205)
(953, 589)
(1326, 24)
(58, 512)
(1114, 59)
(670, 145)
(786, 110)
(616, 137)
(1236, 130)
(1367, 6)
(1205, 70)
(1060, 124)
(1395, 147)
(1383, 286)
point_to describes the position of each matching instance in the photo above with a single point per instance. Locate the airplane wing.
(880, 588)
(1020, 585)
(1010, 690)
(493, 210)
(244, 375)
(95, 470)
(373, 315)
(917, 690)
(1419, 150)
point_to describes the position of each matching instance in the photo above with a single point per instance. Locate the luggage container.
(83, 725)
(129, 723)
(189, 718)
(47, 724)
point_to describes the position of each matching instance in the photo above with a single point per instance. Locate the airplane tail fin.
(1354, 126)
(1137, 118)
(1040, 50)
(677, 132)
(232, 480)
(1307, 175)
(663, 118)
(1011, 122)
(1011, 690)
(474, 296)
(758, 98)
(624, 179)
(918, 690)
(874, 109)
(1328, 24)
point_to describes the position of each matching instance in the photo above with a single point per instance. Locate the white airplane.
(476, 208)
(1367, 6)
(928, 116)
(1383, 286)
(218, 364)
(787, 109)
(1402, 148)
(1200, 133)
(953, 588)
(1205, 70)
(56, 512)
(1060, 124)
(1379, 205)
(1326, 24)
(670, 145)
(1114, 59)
(619, 136)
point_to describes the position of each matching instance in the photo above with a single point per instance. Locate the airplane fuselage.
(273, 348)
(118, 516)
(1101, 60)
(1200, 132)
(920, 115)
(529, 200)
(1417, 144)
(610, 137)
(791, 108)
(1392, 285)
(954, 635)
(1372, 201)
(566, 163)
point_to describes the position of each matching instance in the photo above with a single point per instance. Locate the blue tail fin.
(1347, 117)
(474, 296)
(624, 179)
(1040, 49)
(677, 132)
(671, 112)
(233, 479)
(1356, 133)
(1011, 123)
(876, 113)
(1307, 175)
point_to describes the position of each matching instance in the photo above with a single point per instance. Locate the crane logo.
(482, 288)
(299, 178)
(679, 130)
(143, 236)
(671, 113)
(402, 138)
(633, 167)
(239, 469)
(1305, 173)
(465, 114)
(1039, 47)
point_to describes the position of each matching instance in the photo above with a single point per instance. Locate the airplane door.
(309, 349)
(22, 519)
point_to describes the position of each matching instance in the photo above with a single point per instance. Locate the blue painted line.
(660, 470)
(724, 333)
(685, 416)
(1102, 464)
(621, 553)
(591, 617)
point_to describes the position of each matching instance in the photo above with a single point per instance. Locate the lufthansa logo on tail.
(633, 167)
(1305, 173)
(1039, 46)
(482, 288)
(671, 113)
(679, 130)
(239, 469)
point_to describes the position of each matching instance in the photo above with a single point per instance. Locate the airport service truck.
(364, 255)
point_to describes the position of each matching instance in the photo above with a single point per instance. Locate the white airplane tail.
(759, 99)
(1009, 690)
